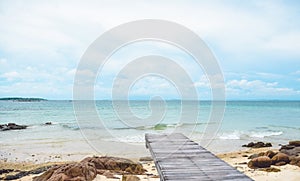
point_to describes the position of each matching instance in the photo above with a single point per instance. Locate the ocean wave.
(265, 134)
(285, 127)
(236, 135)
(70, 126)
(127, 139)
(160, 126)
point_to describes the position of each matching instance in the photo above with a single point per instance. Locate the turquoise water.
(273, 121)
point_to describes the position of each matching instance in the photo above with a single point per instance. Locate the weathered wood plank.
(176, 157)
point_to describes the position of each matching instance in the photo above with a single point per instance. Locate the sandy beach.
(149, 175)
(238, 160)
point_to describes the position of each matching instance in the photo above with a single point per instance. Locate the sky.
(256, 43)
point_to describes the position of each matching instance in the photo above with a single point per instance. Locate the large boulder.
(83, 171)
(88, 168)
(260, 162)
(115, 164)
(280, 159)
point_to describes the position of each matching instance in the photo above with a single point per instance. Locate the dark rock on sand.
(11, 126)
(146, 159)
(260, 162)
(88, 168)
(294, 143)
(295, 161)
(73, 171)
(268, 153)
(2, 171)
(292, 149)
(130, 178)
(21, 174)
(253, 156)
(270, 169)
(280, 159)
(257, 145)
(116, 164)
(16, 176)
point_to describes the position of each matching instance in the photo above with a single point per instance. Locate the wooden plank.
(176, 157)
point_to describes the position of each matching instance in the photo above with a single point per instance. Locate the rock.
(280, 159)
(295, 161)
(39, 170)
(253, 156)
(130, 178)
(145, 159)
(82, 171)
(260, 162)
(248, 145)
(116, 164)
(270, 169)
(294, 143)
(16, 176)
(292, 149)
(2, 171)
(268, 145)
(280, 163)
(88, 168)
(108, 174)
(270, 154)
(257, 145)
(287, 147)
(261, 154)
(48, 123)
(11, 126)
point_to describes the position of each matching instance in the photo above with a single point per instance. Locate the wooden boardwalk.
(177, 157)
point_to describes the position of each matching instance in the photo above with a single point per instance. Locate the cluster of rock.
(292, 149)
(11, 126)
(88, 169)
(14, 126)
(257, 145)
(288, 154)
(21, 174)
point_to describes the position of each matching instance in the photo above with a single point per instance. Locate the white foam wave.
(265, 134)
(235, 135)
(128, 139)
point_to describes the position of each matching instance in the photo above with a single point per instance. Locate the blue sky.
(257, 44)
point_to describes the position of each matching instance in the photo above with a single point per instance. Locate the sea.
(118, 128)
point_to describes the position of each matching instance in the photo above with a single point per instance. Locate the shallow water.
(109, 133)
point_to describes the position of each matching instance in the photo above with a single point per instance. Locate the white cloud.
(258, 88)
(11, 75)
(44, 41)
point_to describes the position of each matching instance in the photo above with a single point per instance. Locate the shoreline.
(237, 159)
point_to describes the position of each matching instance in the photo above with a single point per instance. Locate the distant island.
(21, 99)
